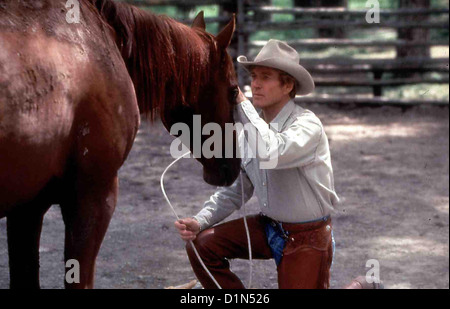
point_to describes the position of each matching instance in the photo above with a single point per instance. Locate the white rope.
(250, 255)
(190, 241)
(178, 218)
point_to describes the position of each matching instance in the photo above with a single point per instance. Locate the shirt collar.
(282, 116)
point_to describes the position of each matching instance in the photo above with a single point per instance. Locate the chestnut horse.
(71, 95)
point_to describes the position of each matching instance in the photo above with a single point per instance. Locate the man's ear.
(288, 87)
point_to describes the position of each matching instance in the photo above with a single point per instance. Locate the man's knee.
(202, 243)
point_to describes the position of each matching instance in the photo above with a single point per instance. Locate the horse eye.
(234, 93)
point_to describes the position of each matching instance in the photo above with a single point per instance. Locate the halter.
(190, 241)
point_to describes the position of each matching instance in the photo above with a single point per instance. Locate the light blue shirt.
(298, 187)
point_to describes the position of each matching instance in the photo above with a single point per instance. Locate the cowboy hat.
(278, 55)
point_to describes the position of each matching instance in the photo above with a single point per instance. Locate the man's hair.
(285, 78)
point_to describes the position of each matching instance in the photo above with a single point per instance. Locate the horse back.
(65, 97)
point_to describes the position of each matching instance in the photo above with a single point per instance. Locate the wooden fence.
(340, 72)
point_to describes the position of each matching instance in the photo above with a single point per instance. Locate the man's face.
(267, 89)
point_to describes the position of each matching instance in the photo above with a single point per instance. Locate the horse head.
(180, 71)
(215, 103)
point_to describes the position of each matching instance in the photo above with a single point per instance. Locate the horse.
(71, 100)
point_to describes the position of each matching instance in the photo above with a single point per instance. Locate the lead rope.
(190, 241)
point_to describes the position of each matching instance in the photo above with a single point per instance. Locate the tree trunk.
(227, 9)
(184, 9)
(415, 34)
(325, 32)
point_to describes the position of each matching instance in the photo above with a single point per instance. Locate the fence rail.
(177, 3)
(358, 82)
(269, 25)
(410, 62)
(314, 43)
(339, 12)
(369, 101)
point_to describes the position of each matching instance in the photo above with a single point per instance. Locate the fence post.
(415, 34)
(184, 9)
(377, 90)
(260, 16)
(243, 28)
(325, 32)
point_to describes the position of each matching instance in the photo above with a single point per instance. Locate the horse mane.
(166, 60)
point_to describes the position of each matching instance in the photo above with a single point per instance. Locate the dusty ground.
(391, 171)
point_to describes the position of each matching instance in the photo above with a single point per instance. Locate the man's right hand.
(188, 228)
(241, 97)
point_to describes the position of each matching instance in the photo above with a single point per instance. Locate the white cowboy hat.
(278, 55)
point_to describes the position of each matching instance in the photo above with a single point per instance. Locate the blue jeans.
(276, 238)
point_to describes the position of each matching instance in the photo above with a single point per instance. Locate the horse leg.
(86, 218)
(24, 227)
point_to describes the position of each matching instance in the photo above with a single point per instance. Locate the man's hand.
(241, 97)
(188, 228)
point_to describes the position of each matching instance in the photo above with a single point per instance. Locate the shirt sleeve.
(294, 147)
(224, 202)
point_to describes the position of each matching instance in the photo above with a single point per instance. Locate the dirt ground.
(391, 172)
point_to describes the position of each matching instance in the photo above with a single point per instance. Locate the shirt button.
(264, 183)
(265, 204)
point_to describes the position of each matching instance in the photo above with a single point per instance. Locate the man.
(296, 195)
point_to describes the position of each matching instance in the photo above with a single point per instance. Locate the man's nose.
(255, 84)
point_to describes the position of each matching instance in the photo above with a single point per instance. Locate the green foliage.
(361, 4)
(164, 10)
(439, 3)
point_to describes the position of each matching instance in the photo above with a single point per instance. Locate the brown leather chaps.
(305, 264)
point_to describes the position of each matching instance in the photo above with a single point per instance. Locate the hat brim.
(297, 71)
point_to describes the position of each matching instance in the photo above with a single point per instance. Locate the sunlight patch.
(394, 248)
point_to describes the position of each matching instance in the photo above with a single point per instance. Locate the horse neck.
(166, 60)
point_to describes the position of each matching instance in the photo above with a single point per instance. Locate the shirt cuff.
(202, 222)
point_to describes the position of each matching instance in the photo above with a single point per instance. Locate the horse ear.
(199, 21)
(224, 37)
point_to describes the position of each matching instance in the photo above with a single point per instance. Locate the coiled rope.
(190, 241)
